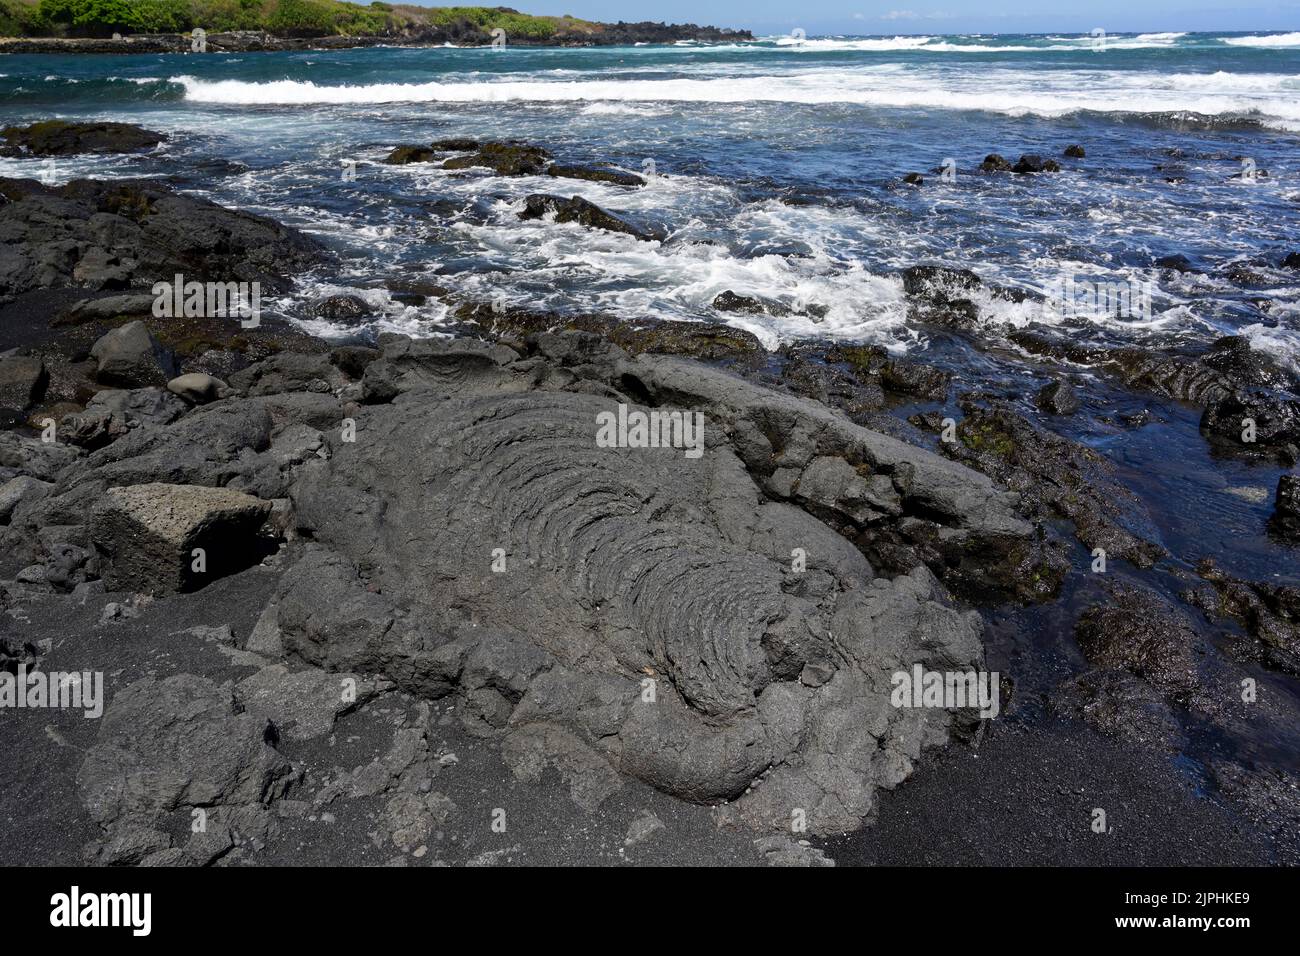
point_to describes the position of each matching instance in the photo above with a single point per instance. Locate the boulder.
(579, 210)
(336, 308)
(1033, 163)
(198, 388)
(23, 381)
(1075, 152)
(129, 355)
(914, 179)
(993, 163)
(15, 490)
(505, 159)
(147, 535)
(403, 155)
(1057, 398)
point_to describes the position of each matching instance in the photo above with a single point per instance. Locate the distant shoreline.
(258, 41)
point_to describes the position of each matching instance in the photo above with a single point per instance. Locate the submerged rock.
(1075, 152)
(1269, 613)
(596, 174)
(65, 138)
(1140, 633)
(1057, 398)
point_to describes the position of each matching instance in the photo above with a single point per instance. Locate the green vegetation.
(102, 18)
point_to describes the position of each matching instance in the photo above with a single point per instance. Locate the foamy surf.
(1270, 98)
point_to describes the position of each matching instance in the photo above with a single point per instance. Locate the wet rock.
(505, 159)
(23, 380)
(1250, 400)
(198, 388)
(340, 308)
(1056, 477)
(900, 376)
(938, 295)
(1124, 706)
(1033, 163)
(1285, 522)
(64, 138)
(167, 748)
(576, 209)
(1138, 632)
(1292, 261)
(1268, 613)
(596, 174)
(1057, 398)
(914, 179)
(404, 155)
(131, 356)
(993, 163)
(132, 233)
(455, 145)
(1255, 422)
(147, 535)
(729, 301)
(1075, 152)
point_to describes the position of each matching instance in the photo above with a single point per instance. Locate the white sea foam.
(1267, 40)
(1270, 97)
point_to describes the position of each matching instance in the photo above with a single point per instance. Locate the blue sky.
(940, 16)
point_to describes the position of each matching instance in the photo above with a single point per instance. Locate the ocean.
(778, 171)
